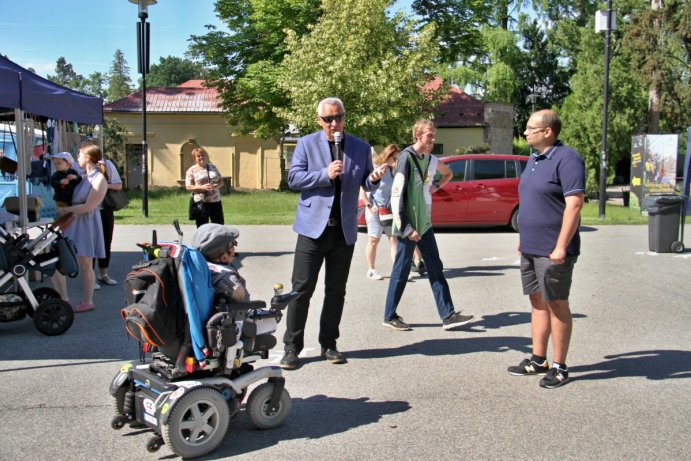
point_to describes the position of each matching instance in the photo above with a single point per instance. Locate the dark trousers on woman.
(108, 222)
(332, 249)
(214, 213)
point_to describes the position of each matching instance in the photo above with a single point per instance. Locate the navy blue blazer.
(308, 174)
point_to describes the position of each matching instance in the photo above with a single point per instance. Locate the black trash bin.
(663, 222)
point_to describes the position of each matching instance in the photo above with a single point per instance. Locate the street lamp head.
(143, 6)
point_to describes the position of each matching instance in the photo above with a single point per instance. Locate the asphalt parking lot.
(426, 394)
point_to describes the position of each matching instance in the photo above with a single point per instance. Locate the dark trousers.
(435, 274)
(108, 222)
(332, 249)
(214, 213)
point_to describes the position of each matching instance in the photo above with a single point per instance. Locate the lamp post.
(143, 68)
(609, 25)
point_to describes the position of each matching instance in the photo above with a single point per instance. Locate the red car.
(482, 192)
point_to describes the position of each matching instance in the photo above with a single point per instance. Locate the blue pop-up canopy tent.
(31, 93)
(25, 92)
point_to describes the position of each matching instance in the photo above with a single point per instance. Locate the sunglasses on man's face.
(331, 118)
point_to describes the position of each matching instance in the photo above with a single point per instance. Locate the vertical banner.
(637, 170)
(660, 159)
(686, 184)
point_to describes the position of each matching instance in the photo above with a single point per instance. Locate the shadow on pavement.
(441, 347)
(311, 418)
(651, 364)
(504, 319)
(477, 271)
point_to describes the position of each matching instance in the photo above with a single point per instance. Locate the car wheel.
(514, 220)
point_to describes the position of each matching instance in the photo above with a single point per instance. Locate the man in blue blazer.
(328, 169)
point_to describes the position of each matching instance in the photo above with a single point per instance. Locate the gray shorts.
(375, 228)
(540, 274)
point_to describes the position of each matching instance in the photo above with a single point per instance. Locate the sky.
(35, 33)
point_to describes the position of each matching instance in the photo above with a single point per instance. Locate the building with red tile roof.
(180, 118)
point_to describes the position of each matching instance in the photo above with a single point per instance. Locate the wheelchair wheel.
(197, 423)
(53, 317)
(119, 400)
(258, 407)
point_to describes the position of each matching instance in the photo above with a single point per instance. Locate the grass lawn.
(274, 207)
(239, 207)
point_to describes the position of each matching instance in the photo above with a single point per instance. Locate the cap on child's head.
(66, 156)
(213, 239)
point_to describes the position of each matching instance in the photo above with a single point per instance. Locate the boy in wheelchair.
(188, 405)
(217, 244)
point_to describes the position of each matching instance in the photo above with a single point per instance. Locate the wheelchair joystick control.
(278, 289)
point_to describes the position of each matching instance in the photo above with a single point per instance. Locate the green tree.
(114, 144)
(119, 81)
(96, 85)
(581, 112)
(114, 141)
(542, 81)
(243, 64)
(458, 25)
(660, 45)
(65, 75)
(379, 72)
(172, 71)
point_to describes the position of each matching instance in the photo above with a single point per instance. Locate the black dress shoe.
(289, 360)
(332, 355)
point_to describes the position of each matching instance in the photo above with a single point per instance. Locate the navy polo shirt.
(546, 180)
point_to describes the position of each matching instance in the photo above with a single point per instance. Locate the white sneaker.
(97, 286)
(374, 275)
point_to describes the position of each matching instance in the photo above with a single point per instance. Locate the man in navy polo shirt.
(551, 195)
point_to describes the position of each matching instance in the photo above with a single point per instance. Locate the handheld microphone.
(337, 141)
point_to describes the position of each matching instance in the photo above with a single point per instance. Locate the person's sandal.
(83, 307)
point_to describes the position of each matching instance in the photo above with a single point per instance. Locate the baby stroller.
(188, 402)
(18, 256)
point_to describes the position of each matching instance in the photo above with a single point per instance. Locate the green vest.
(416, 207)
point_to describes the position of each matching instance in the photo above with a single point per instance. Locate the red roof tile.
(457, 109)
(192, 84)
(190, 96)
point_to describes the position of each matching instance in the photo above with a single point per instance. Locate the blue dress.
(87, 230)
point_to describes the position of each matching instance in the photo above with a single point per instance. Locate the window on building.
(288, 151)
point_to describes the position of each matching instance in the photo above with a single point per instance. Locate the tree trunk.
(654, 91)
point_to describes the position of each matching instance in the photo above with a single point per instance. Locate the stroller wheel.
(53, 317)
(197, 424)
(41, 294)
(44, 293)
(259, 410)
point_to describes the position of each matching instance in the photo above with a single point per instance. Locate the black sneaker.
(421, 269)
(528, 367)
(555, 377)
(413, 267)
(289, 360)
(332, 355)
(396, 323)
(456, 320)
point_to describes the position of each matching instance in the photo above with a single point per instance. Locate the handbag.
(197, 210)
(115, 200)
(67, 257)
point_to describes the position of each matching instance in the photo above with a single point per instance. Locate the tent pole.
(21, 168)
